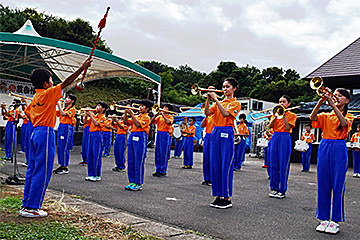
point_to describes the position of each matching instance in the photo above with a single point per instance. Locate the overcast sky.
(296, 34)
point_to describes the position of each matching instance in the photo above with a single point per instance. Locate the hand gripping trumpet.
(156, 109)
(114, 106)
(11, 94)
(316, 83)
(195, 89)
(279, 112)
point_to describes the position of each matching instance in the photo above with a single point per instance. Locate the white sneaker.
(323, 225)
(273, 194)
(358, 175)
(333, 228)
(98, 178)
(280, 195)
(31, 213)
(355, 175)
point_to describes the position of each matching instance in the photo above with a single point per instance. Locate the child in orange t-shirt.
(355, 138)
(243, 133)
(309, 137)
(120, 144)
(106, 135)
(189, 143)
(42, 113)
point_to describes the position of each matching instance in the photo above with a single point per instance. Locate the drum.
(301, 146)
(262, 142)
(177, 132)
(355, 146)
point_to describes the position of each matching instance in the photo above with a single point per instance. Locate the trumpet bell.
(194, 89)
(155, 109)
(279, 111)
(316, 82)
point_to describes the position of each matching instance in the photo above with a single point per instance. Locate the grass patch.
(10, 204)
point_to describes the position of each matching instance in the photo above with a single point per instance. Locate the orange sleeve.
(353, 138)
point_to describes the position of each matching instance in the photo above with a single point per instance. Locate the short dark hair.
(193, 118)
(39, 76)
(103, 105)
(308, 125)
(169, 106)
(288, 99)
(148, 104)
(17, 101)
(242, 116)
(72, 97)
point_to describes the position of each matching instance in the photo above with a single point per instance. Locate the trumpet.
(279, 112)
(113, 106)
(237, 139)
(195, 89)
(11, 94)
(156, 109)
(202, 108)
(82, 111)
(316, 83)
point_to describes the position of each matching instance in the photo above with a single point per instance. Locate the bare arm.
(73, 76)
(203, 123)
(218, 104)
(62, 112)
(313, 115)
(134, 119)
(92, 118)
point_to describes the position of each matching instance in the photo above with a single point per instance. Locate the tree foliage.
(77, 31)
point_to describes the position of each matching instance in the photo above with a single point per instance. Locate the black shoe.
(156, 174)
(216, 202)
(61, 170)
(187, 167)
(206, 182)
(224, 203)
(162, 175)
(116, 169)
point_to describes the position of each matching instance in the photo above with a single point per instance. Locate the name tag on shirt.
(224, 135)
(136, 139)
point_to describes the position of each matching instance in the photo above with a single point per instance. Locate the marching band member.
(163, 122)
(240, 148)
(42, 113)
(120, 144)
(355, 138)
(64, 133)
(97, 122)
(280, 150)
(140, 125)
(85, 140)
(222, 143)
(171, 131)
(267, 135)
(189, 132)
(106, 135)
(332, 162)
(309, 138)
(12, 117)
(208, 124)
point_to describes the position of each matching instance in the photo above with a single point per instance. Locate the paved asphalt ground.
(179, 200)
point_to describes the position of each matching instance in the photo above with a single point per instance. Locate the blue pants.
(23, 137)
(306, 156)
(161, 151)
(222, 161)
(119, 150)
(280, 151)
(107, 142)
(72, 132)
(356, 161)
(40, 166)
(206, 157)
(9, 136)
(136, 157)
(267, 159)
(178, 147)
(94, 157)
(189, 151)
(85, 144)
(332, 165)
(29, 131)
(169, 151)
(239, 154)
(63, 144)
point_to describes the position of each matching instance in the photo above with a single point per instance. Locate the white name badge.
(62, 137)
(224, 135)
(136, 139)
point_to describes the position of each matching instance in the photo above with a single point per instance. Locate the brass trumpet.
(279, 112)
(82, 111)
(202, 108)
(316, 83)
(156, 109)
(11, 94)
(113, 106)
(195, 89)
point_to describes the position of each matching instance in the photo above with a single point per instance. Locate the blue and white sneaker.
(136, 187)
(91, 178)
(129, 186)
(98, 178)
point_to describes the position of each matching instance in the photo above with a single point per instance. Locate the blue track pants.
(356, 161)
(136, 157)
(63, 144)
(161, 151)
(189, 151)
(306, 156)
(107, 142)
(239, 154)
(29, 131)
(94, 157)
(332, 165)
(119, 150)
(9, 136)
(23, 137)
(40, 166)
(207, 157)
(85, 144)
(179, 147)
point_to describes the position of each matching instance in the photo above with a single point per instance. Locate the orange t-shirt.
(25, 119)
(280, 125)
(87, 118)
(232, 106)
(73, 121)
(68, 118)
(355, 138)
(10, 117)
(191, 129)
(308, 137)
(42, 109)
(119, 130)
(100, 118)
(108, 123)
(171, 130)
(328, 122)
(161, 124)
(243, 129)
(209, 124)
(144, 121)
